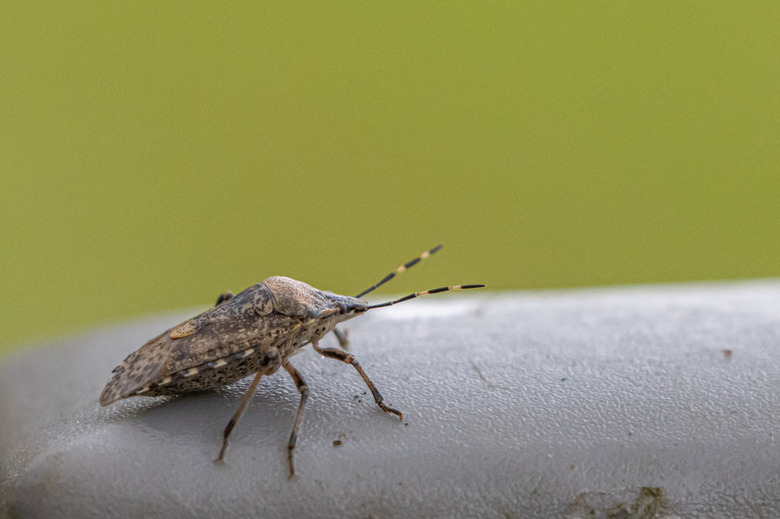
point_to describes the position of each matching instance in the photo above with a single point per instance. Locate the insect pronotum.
(254, 332)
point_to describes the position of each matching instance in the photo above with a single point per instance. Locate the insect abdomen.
(216, 373)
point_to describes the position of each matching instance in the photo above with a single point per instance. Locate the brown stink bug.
(253, 332)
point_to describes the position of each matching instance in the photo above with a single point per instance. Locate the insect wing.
(228, 330)
(140, 367)
(255, 301)
(224, 338)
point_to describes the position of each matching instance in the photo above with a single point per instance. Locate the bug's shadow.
(201, 417)
(340, 408)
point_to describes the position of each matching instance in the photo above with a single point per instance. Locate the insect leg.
(343, 356)
(303, 389)
(343, 338)
(236, 416)
(227, 296)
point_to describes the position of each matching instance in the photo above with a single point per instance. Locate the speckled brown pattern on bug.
(248, 320)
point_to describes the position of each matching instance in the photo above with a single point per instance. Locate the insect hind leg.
(348, 358)
(232, 423)
(225, 296)
(303, 389)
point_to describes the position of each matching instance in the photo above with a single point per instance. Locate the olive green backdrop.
(154, 154)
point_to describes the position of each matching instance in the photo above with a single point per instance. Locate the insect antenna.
(402, 268)
(425, 293)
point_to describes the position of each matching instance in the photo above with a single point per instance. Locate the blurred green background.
(155, 154)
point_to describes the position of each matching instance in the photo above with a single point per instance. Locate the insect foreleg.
(343, 338)
(232, 423)
(227, 296)
(343, 356)
(303, 389)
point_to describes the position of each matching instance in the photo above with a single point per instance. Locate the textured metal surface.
(637, 402)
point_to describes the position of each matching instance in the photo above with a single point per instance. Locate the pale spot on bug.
(248, 352)
(190, 372)
(218, 363)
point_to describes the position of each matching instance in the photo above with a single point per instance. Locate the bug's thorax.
(319, 310)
